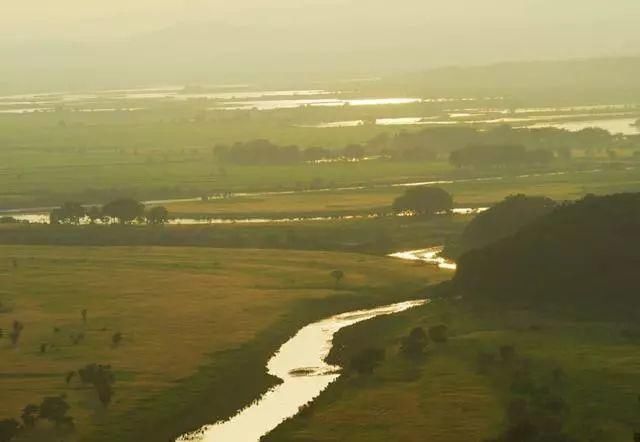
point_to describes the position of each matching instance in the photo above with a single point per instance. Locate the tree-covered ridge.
(504, 219)
(583, 255)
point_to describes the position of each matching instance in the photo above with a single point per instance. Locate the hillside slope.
(583, 255)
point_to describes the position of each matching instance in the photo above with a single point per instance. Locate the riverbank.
(585, 374)
(376, 236)
(299, 365)
(222, 313)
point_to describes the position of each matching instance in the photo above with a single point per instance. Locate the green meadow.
(197, 326)
(591, 368)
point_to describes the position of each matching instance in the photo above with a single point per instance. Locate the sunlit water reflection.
(43, 218)
(430, 256)
(300, 364)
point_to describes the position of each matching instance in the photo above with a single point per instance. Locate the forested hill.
(582, 256)
(502, 220)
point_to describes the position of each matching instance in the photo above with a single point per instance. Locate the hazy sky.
(365, 36)
(115, 18)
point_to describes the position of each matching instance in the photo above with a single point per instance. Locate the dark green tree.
(367, 360)
(124, 210)
(9, 429)
(157, 215)
(102, 379)
(500, 221)
(30, 415)
(337, 275)
(413, 345)
(54, 409)
(424, 200)
(70, 212)
(439, 333)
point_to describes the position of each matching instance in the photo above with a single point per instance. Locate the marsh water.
(300, 364)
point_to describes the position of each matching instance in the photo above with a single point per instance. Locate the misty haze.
(319, 220)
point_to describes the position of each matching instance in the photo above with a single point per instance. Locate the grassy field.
(195, 323)
(561, 185)
(166, 151)
(378, 236)
(448, 397)
(299, 203)
(29, 182)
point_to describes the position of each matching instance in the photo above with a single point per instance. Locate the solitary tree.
(105, 391)
(102, 379)
(157, 215)
(30, 415)
(70, 212)
(338, 275)
(438, 333)
(423, 201)
(414, 344)
(16, 332)
(69, 376)
(124, 210)
(54, 409)
(366, 361)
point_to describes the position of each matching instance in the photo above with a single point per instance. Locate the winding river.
(300, 364)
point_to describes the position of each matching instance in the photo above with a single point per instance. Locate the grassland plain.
(565, 184)
(378, 236)
(198, 326)
(167, 151)
(592, 366)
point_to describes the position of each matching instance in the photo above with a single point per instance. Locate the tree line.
(265, 152)
(124, 210)
(501, 145)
